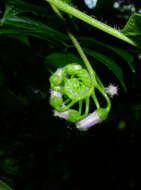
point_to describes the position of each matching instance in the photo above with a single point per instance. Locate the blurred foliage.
(38, 151)
(133, 28)
(4, 186)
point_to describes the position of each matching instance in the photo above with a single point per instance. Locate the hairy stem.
(87, 105)
(92, 21)
(106, 97)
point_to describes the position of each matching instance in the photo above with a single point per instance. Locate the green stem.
(83, 56)
(62, 109)
(95, 100)
(80, 106)
(87, 105)
(91, 71)
(76, 45)
(99, 81)
(106, 97)
(66, 101)
(92, 21)
(57, 11)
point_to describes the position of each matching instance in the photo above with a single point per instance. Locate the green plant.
(75, 83)
(4, 186)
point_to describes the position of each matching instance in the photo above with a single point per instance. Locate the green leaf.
(125, 55)
(9, 31)
(139, 55)
(118, 51)
(24, 5)
(67, 1)
(56, 60)
(23, 39)
(110, 63)
(4, 186)
(30, 26)
(133, 28)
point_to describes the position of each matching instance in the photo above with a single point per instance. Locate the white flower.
(87, 122)
(54, 93)
(63, 115)
(112, 90)
(90, 3)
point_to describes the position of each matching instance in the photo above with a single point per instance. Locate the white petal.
(87, 122)
(112, 90)
(55, 93)
(63, 115)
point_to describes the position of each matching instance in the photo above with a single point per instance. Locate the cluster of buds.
(72, 85)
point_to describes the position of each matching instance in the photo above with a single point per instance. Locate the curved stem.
(95, 100)
(99, 81)
(92, 73)
(80, 106)
(87, 106)
(76, 45)
(92, 21)
(62, 109)
(66, 101)
(83, 56)
(106, 97)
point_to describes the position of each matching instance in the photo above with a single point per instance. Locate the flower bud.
(73, 116)
(56, 99)
(87, 122)
(71, 68)
(70, 115)
(56, 78)
(63, 115)
(94, 118)
(84, 76)
(54, 93)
